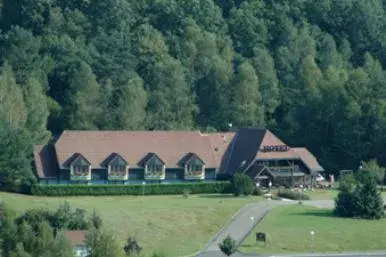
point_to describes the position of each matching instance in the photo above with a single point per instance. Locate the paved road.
(243, 222)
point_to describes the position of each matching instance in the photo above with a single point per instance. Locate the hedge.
(292, 195)
(219, 187)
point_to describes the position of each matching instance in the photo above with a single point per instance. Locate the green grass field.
(289, 230)
(171, 224)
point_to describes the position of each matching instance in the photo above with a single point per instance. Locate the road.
(243, 222)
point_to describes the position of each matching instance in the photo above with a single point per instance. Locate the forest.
(310, 71)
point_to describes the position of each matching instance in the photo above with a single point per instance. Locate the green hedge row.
(219, 187)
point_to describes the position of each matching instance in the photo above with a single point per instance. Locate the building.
(77, 241)
(133, 157)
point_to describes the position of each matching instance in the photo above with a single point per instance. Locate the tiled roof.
(45, 161)
(76, 237)
(226, 151)
(133, 146)
(219, 143)
(308, 159)
(271, 140)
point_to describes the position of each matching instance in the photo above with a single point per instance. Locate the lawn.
(289, 230)
(171, 224)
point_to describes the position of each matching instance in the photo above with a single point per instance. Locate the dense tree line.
(42, 233)
(312, 71)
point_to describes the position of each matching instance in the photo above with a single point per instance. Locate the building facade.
(138, 157)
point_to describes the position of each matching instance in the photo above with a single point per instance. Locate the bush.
(242, 184)
(149, 189)
(364, 201)
(344, 204)
(132, 247)
(367, 200)
(292, 195)
(257, 191)
(228, 246)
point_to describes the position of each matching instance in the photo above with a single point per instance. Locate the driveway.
(243, 222)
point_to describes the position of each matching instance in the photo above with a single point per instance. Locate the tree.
(228, 245)
(242, 184)
(264, 65)
(8, 237)
(12, 106)
(37, 106)
(129, 104)
(83, 108)
(20, 252)
(171, 103)
(102, 244)
(63, 247)
(373, 169)
(246, 105)
(15, 158)
(96, 220)
(367, 200)
(62, 217)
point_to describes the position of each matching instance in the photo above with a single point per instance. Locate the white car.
(320, 178)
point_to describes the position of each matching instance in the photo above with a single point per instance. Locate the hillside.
(312, 71)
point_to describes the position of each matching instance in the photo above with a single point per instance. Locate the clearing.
(171, 224)
(289, 231)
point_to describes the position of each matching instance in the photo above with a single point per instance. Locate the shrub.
(242, 184)
(257, 191)
(228, 246)
(344, 204)
(132, 247)
(150, 189)
(364, 201)
(292, 195)
(367, 200)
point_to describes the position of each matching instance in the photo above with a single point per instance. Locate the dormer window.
(154, 167)
(117, 168)
(194, 167)
(80, 168)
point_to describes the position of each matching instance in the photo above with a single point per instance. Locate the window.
(154, 168)
(81, 170)
(195, 168)
(118, 170)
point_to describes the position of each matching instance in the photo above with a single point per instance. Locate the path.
(243, 222)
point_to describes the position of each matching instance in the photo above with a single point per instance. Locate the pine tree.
(247, 107)
(367, 200)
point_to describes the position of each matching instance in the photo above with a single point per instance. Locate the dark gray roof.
(243, 148)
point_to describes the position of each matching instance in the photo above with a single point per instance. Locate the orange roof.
(219, 144)
(308, 159)
(45, 161)
(76, 237)
(270, 139)
(133, 146)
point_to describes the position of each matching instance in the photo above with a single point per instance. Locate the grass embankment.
(289, 230)
(171, 224)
